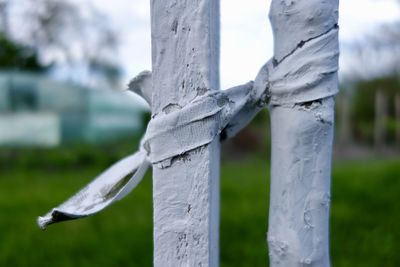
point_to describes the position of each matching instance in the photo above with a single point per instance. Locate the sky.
(246, 37)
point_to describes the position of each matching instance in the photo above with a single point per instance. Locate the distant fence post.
(380, 119)
(397, 118)
(344, 127)
(185, 55)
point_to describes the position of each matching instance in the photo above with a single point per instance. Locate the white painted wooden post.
(185, 55)
(303, 80)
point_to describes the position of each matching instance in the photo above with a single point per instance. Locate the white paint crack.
(302, 43)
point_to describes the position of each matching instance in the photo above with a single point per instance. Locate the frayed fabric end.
(43, 222)
(56, 216)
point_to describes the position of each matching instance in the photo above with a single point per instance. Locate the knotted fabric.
(167, 136)
(308, 73)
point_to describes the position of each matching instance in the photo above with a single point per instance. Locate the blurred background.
(65, 116)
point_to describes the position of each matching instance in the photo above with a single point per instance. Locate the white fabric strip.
(110, 186)
(309, 73)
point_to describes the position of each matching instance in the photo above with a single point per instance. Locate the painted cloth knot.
(307, 73)
(167, 136)
(197, 124)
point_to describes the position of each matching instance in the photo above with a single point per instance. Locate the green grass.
(365, 227)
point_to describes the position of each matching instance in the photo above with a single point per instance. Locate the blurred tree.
(15, 56)
(375, 55)
(385, 43)
(377, 82)
(67, 34)
(4, 16)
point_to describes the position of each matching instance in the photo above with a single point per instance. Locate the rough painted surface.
(303, 79)
(295, 22)
(185, 51)
(298, 233)
(185, 46)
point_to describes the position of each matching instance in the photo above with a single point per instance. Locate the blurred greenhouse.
(36, 111)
